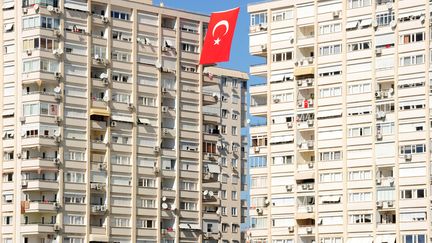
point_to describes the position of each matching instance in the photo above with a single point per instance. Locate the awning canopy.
(8, 5)
(366, 22)
(330, 199)
(360, 240)
(121, 118)
(100, 238)
(305, 175)
(8, 113)
(282, 139)
(330, 113)
(213, 168)
(385, 239)
(75, 6)
(304, 71)
(9, 27)
(144, 121)
(99, 112)
(189, 226)
(352, 25)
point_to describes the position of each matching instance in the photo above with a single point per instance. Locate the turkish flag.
(217, 43)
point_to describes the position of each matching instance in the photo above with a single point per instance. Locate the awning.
(99, 112)
(304, 175)
(385, 239)
(329, 199)
(304, 71)
(366, 22)
(32, 81)
(282, 139)
(183, 226)
(213, 168)
(360, 240)
(76, 6)
(330, 113)
(8, 113)
(9, 27)
(8, 197)
(121, 118)
(8, 5)
(280, 77)
(144, 121)
(169, 43)
(352, 25)
(304, 216)
(194, 226)
(98, 237)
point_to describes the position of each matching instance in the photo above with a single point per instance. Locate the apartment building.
(112, 132)
(340, 133)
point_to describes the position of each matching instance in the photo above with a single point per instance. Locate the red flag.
(217, 44)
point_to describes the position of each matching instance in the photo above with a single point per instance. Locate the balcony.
(99, 125)
(306, 229)
(39, 185)
(304, 71)
(40, 140)
(210, 98)
(39, 206)
(258, 70)
(306, 145)
(46, 162)
(36, 228)
(305, 83)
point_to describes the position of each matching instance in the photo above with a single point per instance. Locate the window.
(259, 141)
(360, 218)
(121, 98)
(121, 56)
(148, 101)
(330, 92)
(188, 185)
(412, 216)
(330, 177)
(258, 19)
(360, 175)
(190, 206)
(74, 198)
(74, 219)
(121, 201)
(40, 43)
(282, 57)
(234, 211)
(189, 47)
(359, 88)
(359, 46)
(258, 162)
(384, 19)
(359, 131)
(73, 240)
(7, 220)
(40, 65)
(259, 223)
(282, 15)
(413, 193)
(330, 155)
(413, 238)
(330, 50)
(411, 60)
(146, 223)
(120, 15)
(331, 220)
(75, 177)
(329, 28)
(386, 128)
(146, 203)
(259, 182)
(121, 180)
(121, 222)
(360, 197)
(358, 3)
(234, 131)
(41, 22)
(121, 77)
(413, 149)
(411, 38)
(282, 160)
(146, 182)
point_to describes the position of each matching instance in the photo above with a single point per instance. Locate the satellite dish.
(173, 208)
(158, 64)
(164, 199)
(164, 205)
(206, 192)
(211, 193)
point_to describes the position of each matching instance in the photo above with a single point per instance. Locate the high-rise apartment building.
(340, 139)
(112, 132)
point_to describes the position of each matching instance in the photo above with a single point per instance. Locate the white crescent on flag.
(220, 23)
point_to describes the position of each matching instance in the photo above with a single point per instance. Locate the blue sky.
(240, 58)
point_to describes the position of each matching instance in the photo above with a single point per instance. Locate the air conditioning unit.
(164, 109)
(164, 90)
(378, 181)
(57, 10)
(309, 209)
(166, 48)
(99, 187)
(290, 228)
(57, 52)
(304, 186)
(389, 5)
(103, 208)
(310, 122)
(299, 82)
(29, 52)
(310, 186)
(165, 131)
(393, 24)
(57, 139)
(390, 204)
(289, 124)
(93, 185)
(57, 75)
(336, 14)
(102, 166)
(408, 156)
(276, 100)
(379, 204)
(130, 106)
(378, 95)
(113, 124)
(256, 149)
(22, 119)
(263, 47)
(378, 52)
(266, 202)
(289, 188)
(379, 136)
(18, 155)
(24, 183)
(263, 27)
(380, 115)
(56, 161)
(259, 211)
(105, 81)
(309, 230)
(57, 205)
(58, 119)
(310, 144)
(56, 227)
(309, 81)
(50, 8)
(57, 96)
(24, 11)
(156, 149)
(57, 33)
(296, 63)
(105, 19)
(156, 170)
(310, 165)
